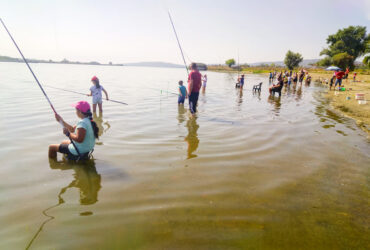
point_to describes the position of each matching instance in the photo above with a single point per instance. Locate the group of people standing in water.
(287, 78)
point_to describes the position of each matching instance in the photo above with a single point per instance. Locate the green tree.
(366, 60)
(292, 59)
(351, 40)
(343, 60)
(325, 62)
(230, 62)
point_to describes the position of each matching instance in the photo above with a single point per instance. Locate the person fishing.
(183, 94)
(83, 134)
(95, 92)
(194, 85)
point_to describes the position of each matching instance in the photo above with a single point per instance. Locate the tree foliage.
(230, 62)
(325, 62)
(292, 59)
(347, 43)
(343, 60)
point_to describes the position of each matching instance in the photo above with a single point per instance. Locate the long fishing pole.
(79, 93)
(46, 96)
(178, 42)
(165, 91)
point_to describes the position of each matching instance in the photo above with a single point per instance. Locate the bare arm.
(79, 136)
(106, 94)
(90, 93)
(180, 92)
(70, 128)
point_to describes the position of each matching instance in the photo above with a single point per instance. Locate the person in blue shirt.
(183, 93)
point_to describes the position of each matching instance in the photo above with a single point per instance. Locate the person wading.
(195, 83)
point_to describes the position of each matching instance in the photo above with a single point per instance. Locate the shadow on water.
(86, 179)
(192, 137)
(239, 98)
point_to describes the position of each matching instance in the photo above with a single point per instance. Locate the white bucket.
(361, 102)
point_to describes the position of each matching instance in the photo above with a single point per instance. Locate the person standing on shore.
(194, 85)
(339, 75)
(346, 75)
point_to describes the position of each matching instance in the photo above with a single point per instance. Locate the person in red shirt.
(339, 75)
(194, 85)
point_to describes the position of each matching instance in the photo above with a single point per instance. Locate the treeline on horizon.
(344, 48)
(64, 61)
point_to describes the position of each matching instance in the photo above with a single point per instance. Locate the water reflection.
(239, 99)
(275, 101)
(181, 114)
(192, 137)
(86, 179)
(100, 123)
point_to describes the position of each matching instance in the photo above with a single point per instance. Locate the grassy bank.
(343, 101)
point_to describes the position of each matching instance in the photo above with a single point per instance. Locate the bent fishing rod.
(178, 42)
(42, 89)
(79, 93)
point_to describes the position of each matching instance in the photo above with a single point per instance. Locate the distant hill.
(64, 61)
(304, 63)
(155, 64)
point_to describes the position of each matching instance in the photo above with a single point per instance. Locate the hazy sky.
(210, 31)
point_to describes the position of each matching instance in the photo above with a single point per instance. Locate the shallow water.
(249, 172)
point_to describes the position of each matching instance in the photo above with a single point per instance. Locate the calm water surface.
(249, 172)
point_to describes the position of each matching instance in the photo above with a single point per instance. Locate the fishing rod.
(42, 89)
(79, 93)
(178, 42)
(164, 91)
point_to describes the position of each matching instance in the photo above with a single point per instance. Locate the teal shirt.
(89, 141)
(183, 91)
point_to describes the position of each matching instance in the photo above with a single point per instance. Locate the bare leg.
(53, 149)
(94, 108)
(100, 107)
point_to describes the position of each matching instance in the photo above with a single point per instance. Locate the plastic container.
(362, 102)
(360, 96)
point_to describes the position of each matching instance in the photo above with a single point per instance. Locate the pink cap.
(83, 106)
(94, 78)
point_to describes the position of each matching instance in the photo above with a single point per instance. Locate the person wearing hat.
(95, 92)
(83, 134)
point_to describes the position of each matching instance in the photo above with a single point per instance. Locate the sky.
(210, 31)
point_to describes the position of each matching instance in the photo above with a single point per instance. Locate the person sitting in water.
(277, 87)
(183, 94)
(95, 92)
(83, 134)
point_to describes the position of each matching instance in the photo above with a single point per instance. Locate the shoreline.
(342, 101)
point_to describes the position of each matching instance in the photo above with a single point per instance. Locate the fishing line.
(79, 93)
(47, 98)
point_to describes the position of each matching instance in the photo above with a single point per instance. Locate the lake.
(248, 172)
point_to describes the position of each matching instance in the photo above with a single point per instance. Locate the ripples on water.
(249, 171)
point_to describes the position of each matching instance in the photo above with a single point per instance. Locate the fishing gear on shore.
(42, 89)
(80, 93)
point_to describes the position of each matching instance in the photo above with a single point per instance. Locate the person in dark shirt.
(194, 85)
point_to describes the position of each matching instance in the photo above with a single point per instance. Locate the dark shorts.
(63, 148)
(181, 100)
